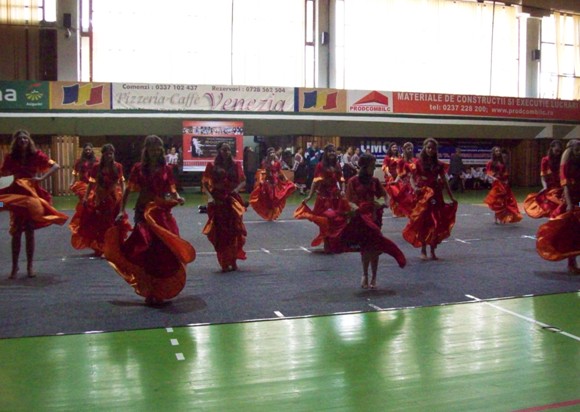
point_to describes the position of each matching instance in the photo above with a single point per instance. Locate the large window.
(31, 12)
(560, 57)
(258, 42)
(427, 45)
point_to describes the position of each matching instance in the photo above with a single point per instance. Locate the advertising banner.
(320, 100)
(24, 95)
(80, 96)
(200, 140)
(485, 106)
(373, 102)
(187, 97)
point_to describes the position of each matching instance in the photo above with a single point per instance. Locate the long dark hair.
(390, 150)
(326, 162)
(429, 162)
(146, 161)
(224, 166)
(17, 154)
(106, 148)
(364, 161)
(407, 144)
(496, 159)
(555, 158)
(91, 158)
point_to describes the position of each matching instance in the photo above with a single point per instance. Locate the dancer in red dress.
(559, 238)
(364, 229)
(331, 206)
(153, 259)
(29, 204)
(222, 180)
(402, 197)
(101, 204)
(500, 198)
(549, 201)
(268, 199)
(81, 172)
(432, 219)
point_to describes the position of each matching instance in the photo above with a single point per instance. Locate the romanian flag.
(87, 94)
(320, 100)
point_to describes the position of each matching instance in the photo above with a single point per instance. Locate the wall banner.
(80, 96)
(24, 95)
(187, 97)
(320, 100)
(485, 106)
(200, 140)
(370, 102)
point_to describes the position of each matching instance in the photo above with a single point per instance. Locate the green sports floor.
(520, 354)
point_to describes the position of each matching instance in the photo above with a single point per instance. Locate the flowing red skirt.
(269, 200)
(153, 259)
(330, 215)
(79, 188)
(502, 201)
(91, 221)
(402, 198)
(559, 238)
(364, 233)
(431, 220)
(226, 231)
(29, 204)
(547, 203)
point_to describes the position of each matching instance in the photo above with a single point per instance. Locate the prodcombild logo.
(372, 102)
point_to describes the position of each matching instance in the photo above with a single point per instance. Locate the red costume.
(500, 198)
(363, 232)
(548, 202)
(81, 171)
(92, 219)
(225, 227)
(330, 208)
(402, 197)
(389, 168)
(269, 196)
(559, 238)
(432, 219)
(27, 201)
(153, 259)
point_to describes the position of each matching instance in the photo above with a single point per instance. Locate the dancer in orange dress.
(81, 172)
(222, 180)
(432, 219)
(29, 204)
(559, 238)
(100, 205)
(500, 198)
(269, 197)
(402, 197)
(153, 259)
(364, 229)
(331, 206)
(549, 201)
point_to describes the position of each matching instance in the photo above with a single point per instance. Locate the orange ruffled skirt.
(269, 200)
(502, 201)
(29, 204)
(153, 259)
(431, 221)
(402, 198)
(559, 238)
(547, 203)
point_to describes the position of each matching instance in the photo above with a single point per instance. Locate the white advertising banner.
(188, 97)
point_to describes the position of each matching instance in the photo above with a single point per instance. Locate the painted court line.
(174, 342)
(279, 314)
(169, 330)
(541, 324)
(180, 356)
(557, 405)
(375, 306)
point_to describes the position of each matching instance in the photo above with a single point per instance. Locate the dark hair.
(106, 148)
(364, 161)
(16, 154)
(222, 166)
(390, 151)
(325, 161)
(91, 156)
(429, 162)
(151, 141)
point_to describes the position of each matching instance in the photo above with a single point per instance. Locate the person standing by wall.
(456, 167)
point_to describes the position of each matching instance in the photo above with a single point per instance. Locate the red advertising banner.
(200, 140)
(485, 106)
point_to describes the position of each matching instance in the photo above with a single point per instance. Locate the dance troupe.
(152, 257)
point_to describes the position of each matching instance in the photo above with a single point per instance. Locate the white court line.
(169, 330)
(279, 314)
(180, 356)
(528, 237)
(266, 251)
(303, 248)
(541, 324)
(174, 342)
(462, 241)
(375, 306)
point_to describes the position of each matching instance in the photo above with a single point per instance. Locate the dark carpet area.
(76, 293)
